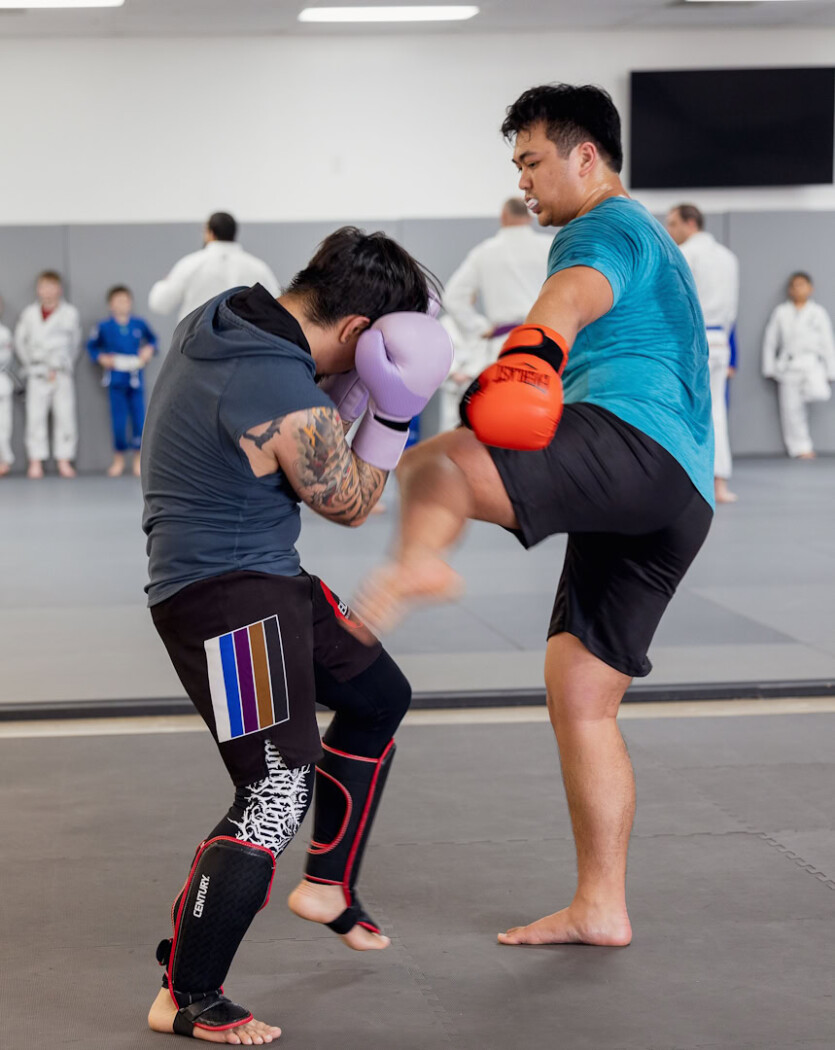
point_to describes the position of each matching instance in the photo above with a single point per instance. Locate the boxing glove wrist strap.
(380, 442)
(539, 340)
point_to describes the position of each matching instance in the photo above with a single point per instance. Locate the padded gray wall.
(770, 247)
(92, 258)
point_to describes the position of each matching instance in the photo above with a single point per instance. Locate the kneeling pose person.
(238, 434)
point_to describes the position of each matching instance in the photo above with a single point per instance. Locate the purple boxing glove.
(348, 393)
(402, 359)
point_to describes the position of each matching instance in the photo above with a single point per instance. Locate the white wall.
(279, 128)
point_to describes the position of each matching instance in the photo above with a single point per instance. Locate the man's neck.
(602, 189)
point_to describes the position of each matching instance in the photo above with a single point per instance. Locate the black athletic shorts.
(245, 646)
(634, 519)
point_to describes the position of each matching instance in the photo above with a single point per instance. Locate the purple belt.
(504, 329)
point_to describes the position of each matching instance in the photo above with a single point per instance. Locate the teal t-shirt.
(646, 359)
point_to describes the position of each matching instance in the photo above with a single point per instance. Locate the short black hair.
(516, 207)
(690, 213)
(571, 114)
(223, 226)
(118, 289)
(354, 272)
(803, 274)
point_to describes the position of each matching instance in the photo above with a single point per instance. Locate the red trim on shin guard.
(183, 896)
(321, 847)
(346, 878)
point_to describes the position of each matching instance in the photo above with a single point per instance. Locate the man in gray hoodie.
(238, 434)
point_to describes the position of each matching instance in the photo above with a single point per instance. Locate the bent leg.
(443, 482)
(583, 699)
(370, 702)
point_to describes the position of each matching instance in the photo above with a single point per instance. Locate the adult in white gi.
(799, 353)
(220, 264)
(506, 272)
(47, 341)
(716, 272)
(6, 391)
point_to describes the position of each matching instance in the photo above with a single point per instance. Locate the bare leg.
(443, 482)
(583, 699)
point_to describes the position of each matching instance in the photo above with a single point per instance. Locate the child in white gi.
(6, 391)
(799, 353)
(47, 341)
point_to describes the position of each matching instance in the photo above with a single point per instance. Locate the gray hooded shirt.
(205, 511)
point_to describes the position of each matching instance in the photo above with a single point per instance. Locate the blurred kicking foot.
(386, 596)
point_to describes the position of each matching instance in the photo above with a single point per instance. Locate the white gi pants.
(718, 361)
(6, 409)
(793, 417)
(57, 396)
(451, 394)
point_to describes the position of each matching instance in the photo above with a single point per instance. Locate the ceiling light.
(387, 14)
(22, 5)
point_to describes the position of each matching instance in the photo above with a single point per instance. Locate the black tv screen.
(732, 127)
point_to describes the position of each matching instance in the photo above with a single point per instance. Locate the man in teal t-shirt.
(627, 473)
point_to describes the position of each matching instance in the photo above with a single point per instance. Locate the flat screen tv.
(732, 127)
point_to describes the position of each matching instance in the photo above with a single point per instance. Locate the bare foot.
(808, 455)
(385, 597)
(722, 493)
(65, 468)
(35, 471)
(253, 1033)
(4, 469)
(573, 925)
(117, 467)
(137, 466)
(319, 903)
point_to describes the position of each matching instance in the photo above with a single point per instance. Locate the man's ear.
(351, 327)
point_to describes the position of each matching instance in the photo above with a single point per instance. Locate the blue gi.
(126, 388)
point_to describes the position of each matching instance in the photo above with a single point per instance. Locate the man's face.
(678, 229)
(48, 292)
(553, 191)
(800, 290)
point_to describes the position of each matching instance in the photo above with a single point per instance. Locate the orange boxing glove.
(517, 401)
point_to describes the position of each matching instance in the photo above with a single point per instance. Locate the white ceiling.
(259, 17)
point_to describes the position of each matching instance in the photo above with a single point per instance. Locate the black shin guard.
(348, 790)
(228, 884)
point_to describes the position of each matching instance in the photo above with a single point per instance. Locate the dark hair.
(50, 275)
(803, 274)
(222, 226)
(119, 289)
(354, 272)
(517, 208)
(690, 213)
(571, 115)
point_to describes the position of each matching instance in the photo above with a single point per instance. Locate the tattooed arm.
(310, 448)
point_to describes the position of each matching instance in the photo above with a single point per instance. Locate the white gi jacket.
(507, 271)
(6, 352)
(200, 276)
(6, 390)
(50, 345)
(716, 272)
(799, 349)
(798, 340)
